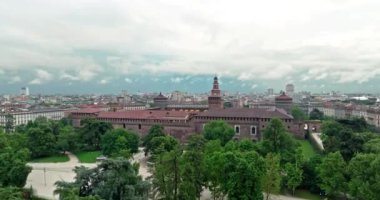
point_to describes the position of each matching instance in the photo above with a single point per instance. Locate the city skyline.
(184, 83)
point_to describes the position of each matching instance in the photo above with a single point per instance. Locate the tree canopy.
(91, 132)
(117, 140)
(298, 114)
(13, 168)
(112, 179)
(218, 130)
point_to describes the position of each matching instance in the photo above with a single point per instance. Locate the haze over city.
(108, 46)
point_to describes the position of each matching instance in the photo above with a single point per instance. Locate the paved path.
(44, 175)
(317, 137)
(142, 160)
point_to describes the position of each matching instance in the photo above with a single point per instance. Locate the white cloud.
(103, 81)
(66, 76)
(14, 79)
(254, 86)
(41, 76)
(250, 40)
(128, 80)
(176, 79)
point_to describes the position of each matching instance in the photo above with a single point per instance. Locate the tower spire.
(215, 98)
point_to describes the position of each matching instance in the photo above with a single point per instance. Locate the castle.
(248, 123)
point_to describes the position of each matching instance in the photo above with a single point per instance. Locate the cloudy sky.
(149, 45)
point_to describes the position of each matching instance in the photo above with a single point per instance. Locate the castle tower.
(215, 99)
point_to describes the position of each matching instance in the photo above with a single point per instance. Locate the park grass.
(52, 159)
(307, 195)
(308, 150)
(88, 156)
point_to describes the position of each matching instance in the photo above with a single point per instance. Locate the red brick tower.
(215, 99)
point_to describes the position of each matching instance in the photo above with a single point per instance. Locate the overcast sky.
(325, 44)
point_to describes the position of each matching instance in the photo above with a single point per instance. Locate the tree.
(154, 131)
(293, 176)
(166, 175)
(372, 146)
(192, 169)
(218, 130)
(336, 137)
(71, 193)
(233, 173)
(277, 141)
(357, 124)
(41, 142)
(311, 180)
(298, 114)
(162, 144)
(243, 175)
(91, 132)
(214, 169)
(330, 130)
(246, 145)
(11, 193)
(67, 139)
(13, 168)
(9, 123)
(112, 179)
(332, 172)
(350, 143)
(272, 175)
(117, 140)
(294, 172)
(364, 170)
(316, 114)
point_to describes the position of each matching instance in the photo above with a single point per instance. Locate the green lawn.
(307, 195)
(88, 156)
(51, 159)
(307, 149)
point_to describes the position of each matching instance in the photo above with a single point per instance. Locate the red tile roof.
(283, 97)
(87, 111)
(247, 112)
(145, 114)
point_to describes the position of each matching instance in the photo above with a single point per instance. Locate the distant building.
(270, 92)
(263, 105)
(161, 101)
(284, 102)
(177, 96)
(24, 91)
(24, 117)
(289, 90)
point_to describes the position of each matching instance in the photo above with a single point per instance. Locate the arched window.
(237, 129)
(253, 130)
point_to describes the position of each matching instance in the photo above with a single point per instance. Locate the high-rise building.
(215, 99)
(289, 90)
(24, 91)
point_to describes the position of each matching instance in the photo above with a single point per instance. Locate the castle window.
(139, 126)
(253, 130)
(237, 129)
